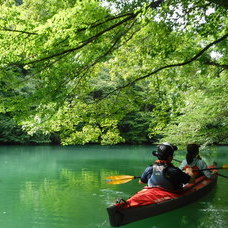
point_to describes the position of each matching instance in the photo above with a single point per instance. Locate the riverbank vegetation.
(113, 71)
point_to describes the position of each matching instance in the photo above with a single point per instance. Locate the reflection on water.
(68, 196)
(62, 189)
(45, 187)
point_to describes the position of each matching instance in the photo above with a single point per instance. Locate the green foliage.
(91, 73)
(204, 116)
(134, 127)
(11, 133)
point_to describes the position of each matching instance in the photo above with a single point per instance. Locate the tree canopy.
(112, 71)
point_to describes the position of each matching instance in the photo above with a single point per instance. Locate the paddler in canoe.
(167, 189)
(194, 161)
(163, 173)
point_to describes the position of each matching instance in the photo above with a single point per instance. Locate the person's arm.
(146, 175)
(202, 165)
(178, 177)
(183, 164)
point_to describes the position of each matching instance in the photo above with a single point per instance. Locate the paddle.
(223, 167)
(121, 179)
(204, 169)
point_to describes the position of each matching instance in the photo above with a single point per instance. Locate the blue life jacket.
(158, 178)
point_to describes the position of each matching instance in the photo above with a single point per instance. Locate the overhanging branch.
(84, 43)
(225, 66)
(169, 66)
(19, 31)
(129, 17)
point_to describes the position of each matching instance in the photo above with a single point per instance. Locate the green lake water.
(54, 186)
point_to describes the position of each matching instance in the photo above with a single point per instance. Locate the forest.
(113, 71)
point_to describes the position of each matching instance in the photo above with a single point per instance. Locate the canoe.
(154, 201)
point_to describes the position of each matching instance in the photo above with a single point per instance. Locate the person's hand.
(189, 171)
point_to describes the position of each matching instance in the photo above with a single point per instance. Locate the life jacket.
(158, 179)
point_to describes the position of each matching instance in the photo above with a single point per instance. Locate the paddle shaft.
(222, 175)
(204, 169)
(200, 169)
(126, 178)
(208, 169)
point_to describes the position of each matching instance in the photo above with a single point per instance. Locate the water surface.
(54, 186)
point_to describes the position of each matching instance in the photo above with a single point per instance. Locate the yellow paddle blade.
(117, 181)
(225, 166)
(121, 179)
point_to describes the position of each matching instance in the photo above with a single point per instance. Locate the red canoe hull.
(153, 201)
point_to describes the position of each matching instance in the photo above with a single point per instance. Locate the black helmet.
(193, 151)
(193, 148)
(164, 150)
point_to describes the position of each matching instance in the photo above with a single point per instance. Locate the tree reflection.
(64, 192)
